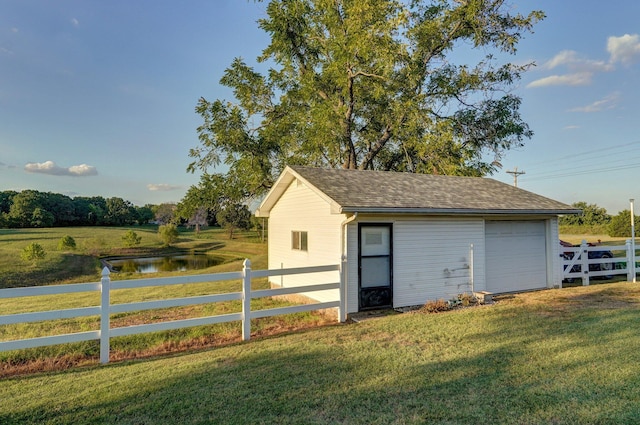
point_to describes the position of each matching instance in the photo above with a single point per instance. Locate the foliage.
(370, 84)
(436, 306)
(234, 216)
(620, 225)
(31, 208)
(165, 213)
(592, 215)
(33, 252)
(66, 242)
(131, 238)
(168, 234)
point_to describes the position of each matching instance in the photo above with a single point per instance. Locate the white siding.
(301, 209)
(516, 257)
(432, 259)
(423, 248)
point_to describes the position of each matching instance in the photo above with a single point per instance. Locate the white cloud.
(571, 127)
(50, 167)
(163, 187)
(75, 22)
(578, 79)
(624, 49)
(608, 102)
(576, 63)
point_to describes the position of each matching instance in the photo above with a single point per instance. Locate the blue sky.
(97, 97)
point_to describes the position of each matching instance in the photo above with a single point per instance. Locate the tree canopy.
(592, 215)
(411, 86)
(32, 208)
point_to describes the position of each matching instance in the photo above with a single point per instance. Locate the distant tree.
(592, 215)
(131, 239)
(198, 219)
(145, 214)
(23, 207)
(620, 225)
(260, 224)
(41, 218)
(33, 252)
(168, 233)
(6, 199)
(119, 212)
(66, 243)
(234, 216)
(165, 213)
(90, 210)
(61, 207)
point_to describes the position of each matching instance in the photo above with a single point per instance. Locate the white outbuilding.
(410, 238)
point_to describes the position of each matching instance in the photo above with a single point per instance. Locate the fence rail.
(585, 262)
(105, 309)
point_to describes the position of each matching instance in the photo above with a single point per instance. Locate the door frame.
(390, 255)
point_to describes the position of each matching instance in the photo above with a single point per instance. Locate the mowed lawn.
(569, 356)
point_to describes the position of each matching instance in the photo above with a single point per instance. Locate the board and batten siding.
(431, 258)
(301, 209)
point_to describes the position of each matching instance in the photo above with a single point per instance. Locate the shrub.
(66, 242)
(436, 306)
(33, 252)
(168, 233)
(131, 238)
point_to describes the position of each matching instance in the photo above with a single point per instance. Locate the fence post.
(246, 300)
(342, 310)
(584, 262)
(105, 306)
(627, 245)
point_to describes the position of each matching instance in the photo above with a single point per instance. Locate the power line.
(583, 172)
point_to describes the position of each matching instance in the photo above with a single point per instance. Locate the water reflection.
(173, 263)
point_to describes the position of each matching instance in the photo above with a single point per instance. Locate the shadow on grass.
(502, 367)
(71, 266)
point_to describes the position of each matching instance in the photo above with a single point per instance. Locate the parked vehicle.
(604, 253)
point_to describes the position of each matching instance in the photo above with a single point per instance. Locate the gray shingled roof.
(378, 191)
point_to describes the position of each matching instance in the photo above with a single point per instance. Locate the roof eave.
(456, 211)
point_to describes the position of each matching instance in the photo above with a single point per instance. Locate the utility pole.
(515, 173)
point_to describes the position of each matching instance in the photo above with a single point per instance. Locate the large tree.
(371, 84)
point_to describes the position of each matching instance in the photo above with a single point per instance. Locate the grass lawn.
(82, 264)
(567, 356)
(56, 269)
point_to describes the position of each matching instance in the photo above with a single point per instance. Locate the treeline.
(595, 219)
(31, 208)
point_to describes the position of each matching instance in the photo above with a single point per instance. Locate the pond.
(169, 263)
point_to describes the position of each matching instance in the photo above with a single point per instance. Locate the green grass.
(245, 245)
(564, 356)
(82, 264)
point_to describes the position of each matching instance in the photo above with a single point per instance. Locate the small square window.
(299, 240)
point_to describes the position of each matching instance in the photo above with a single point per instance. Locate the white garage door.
(515, 255)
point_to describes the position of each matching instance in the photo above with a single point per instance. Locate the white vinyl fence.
(105, 309)
(586, 262)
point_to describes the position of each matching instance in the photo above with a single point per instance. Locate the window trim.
(299, 240)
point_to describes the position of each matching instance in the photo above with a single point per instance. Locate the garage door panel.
(515, 255)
